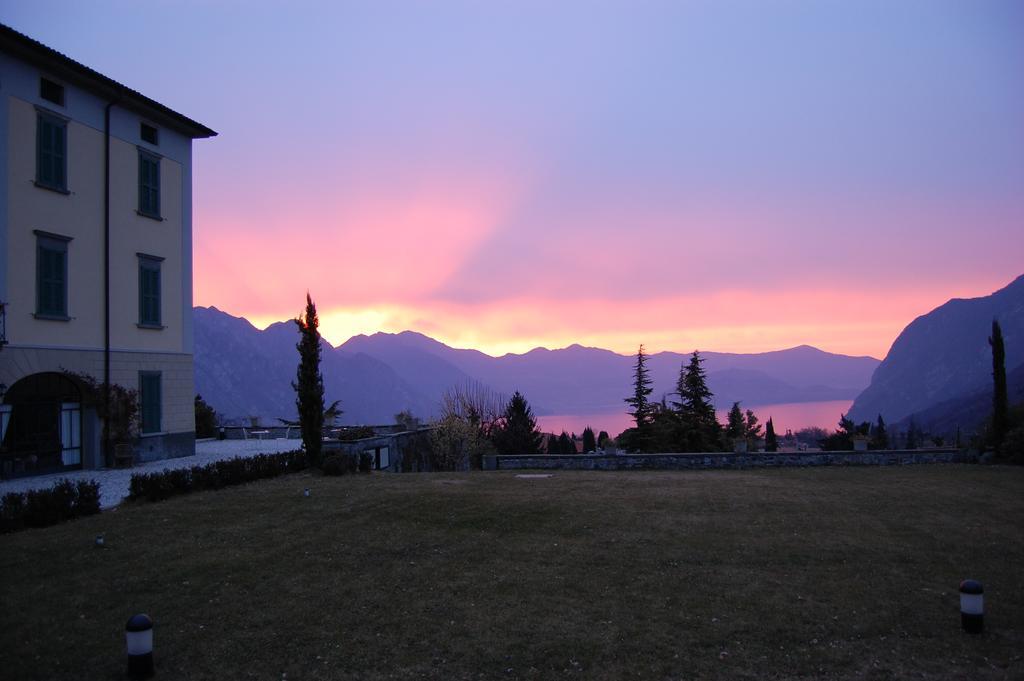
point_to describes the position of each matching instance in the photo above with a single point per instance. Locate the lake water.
(786, 416)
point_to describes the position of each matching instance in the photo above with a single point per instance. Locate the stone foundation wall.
(714, 460)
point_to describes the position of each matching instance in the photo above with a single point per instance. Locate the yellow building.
(95, 262)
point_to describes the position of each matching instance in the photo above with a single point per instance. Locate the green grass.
(835, 573)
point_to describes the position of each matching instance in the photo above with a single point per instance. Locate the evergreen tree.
(842, 439)
(309, 383)
(736, 427)
(879, 438)
(516, 432)
(641, 408)
(553, 447)
(565, 444)
(206, 418)
(912, 435)
(589, 441)
(694, 394)
(1000, 401)
(700, 430)
(771, 442)
(601, 437)
(751, 428)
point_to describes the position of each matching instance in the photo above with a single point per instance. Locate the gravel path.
(114, 481)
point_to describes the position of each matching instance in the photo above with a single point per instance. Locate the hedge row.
(66, 500)
(239, 470)
(341, 463)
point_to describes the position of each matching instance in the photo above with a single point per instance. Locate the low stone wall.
(710, 460)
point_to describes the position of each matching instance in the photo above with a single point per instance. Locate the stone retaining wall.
(711, 460)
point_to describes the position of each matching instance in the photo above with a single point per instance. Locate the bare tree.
(474, 403)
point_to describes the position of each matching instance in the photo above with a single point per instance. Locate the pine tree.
(589, 441)
(736, 427)
(641, 408)
(517, 430)
(639, 438)
(751, 428)
(771, 442)
(553, 446)
(700, 427)
(1000, 401)
(880, 437)
(694, 394)
(309, 383)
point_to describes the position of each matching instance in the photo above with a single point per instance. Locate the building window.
(149, 184)
(51, 275)
(149, 134)
(150, 400)
(51, 92)
(51, 151)
(149, 290)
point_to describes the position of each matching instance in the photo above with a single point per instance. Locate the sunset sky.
(731, 176)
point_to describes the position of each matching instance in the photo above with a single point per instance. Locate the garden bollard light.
(305, 492)
(139, 639)
(99, 541)
(972, 606)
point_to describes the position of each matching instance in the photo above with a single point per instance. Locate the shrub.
(42, 508)
(365, 462)
(12, 512)
(335, 464)
(66, 500)
(1012, 449)
(236, 471)
(352, 433)
(87, 498)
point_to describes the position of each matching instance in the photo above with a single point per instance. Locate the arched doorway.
(41, 426)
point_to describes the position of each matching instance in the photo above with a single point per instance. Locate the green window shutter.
(149, 184)
(51, 152)
(149, 387)
(51, 278)
(58, 156)
(149, 291)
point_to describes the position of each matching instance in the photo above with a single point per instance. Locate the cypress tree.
(771, 442)
(309, 383)
(911, 434)
(518, 432)
(565, 444)
(589, 441)
(1000, 401)
(880, 438)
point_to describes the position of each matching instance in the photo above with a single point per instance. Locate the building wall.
(77, 344)
(177, 436)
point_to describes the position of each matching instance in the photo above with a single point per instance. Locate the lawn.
(833, 572)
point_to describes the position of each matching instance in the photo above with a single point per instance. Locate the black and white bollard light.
(972, 606)
(138, 635)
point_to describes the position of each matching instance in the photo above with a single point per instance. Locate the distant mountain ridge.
(244, 372)
(944, 355)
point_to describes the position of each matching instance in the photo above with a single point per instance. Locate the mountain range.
(243, 371)
(943, 358)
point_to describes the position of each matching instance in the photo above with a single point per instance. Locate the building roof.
(63, 67)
